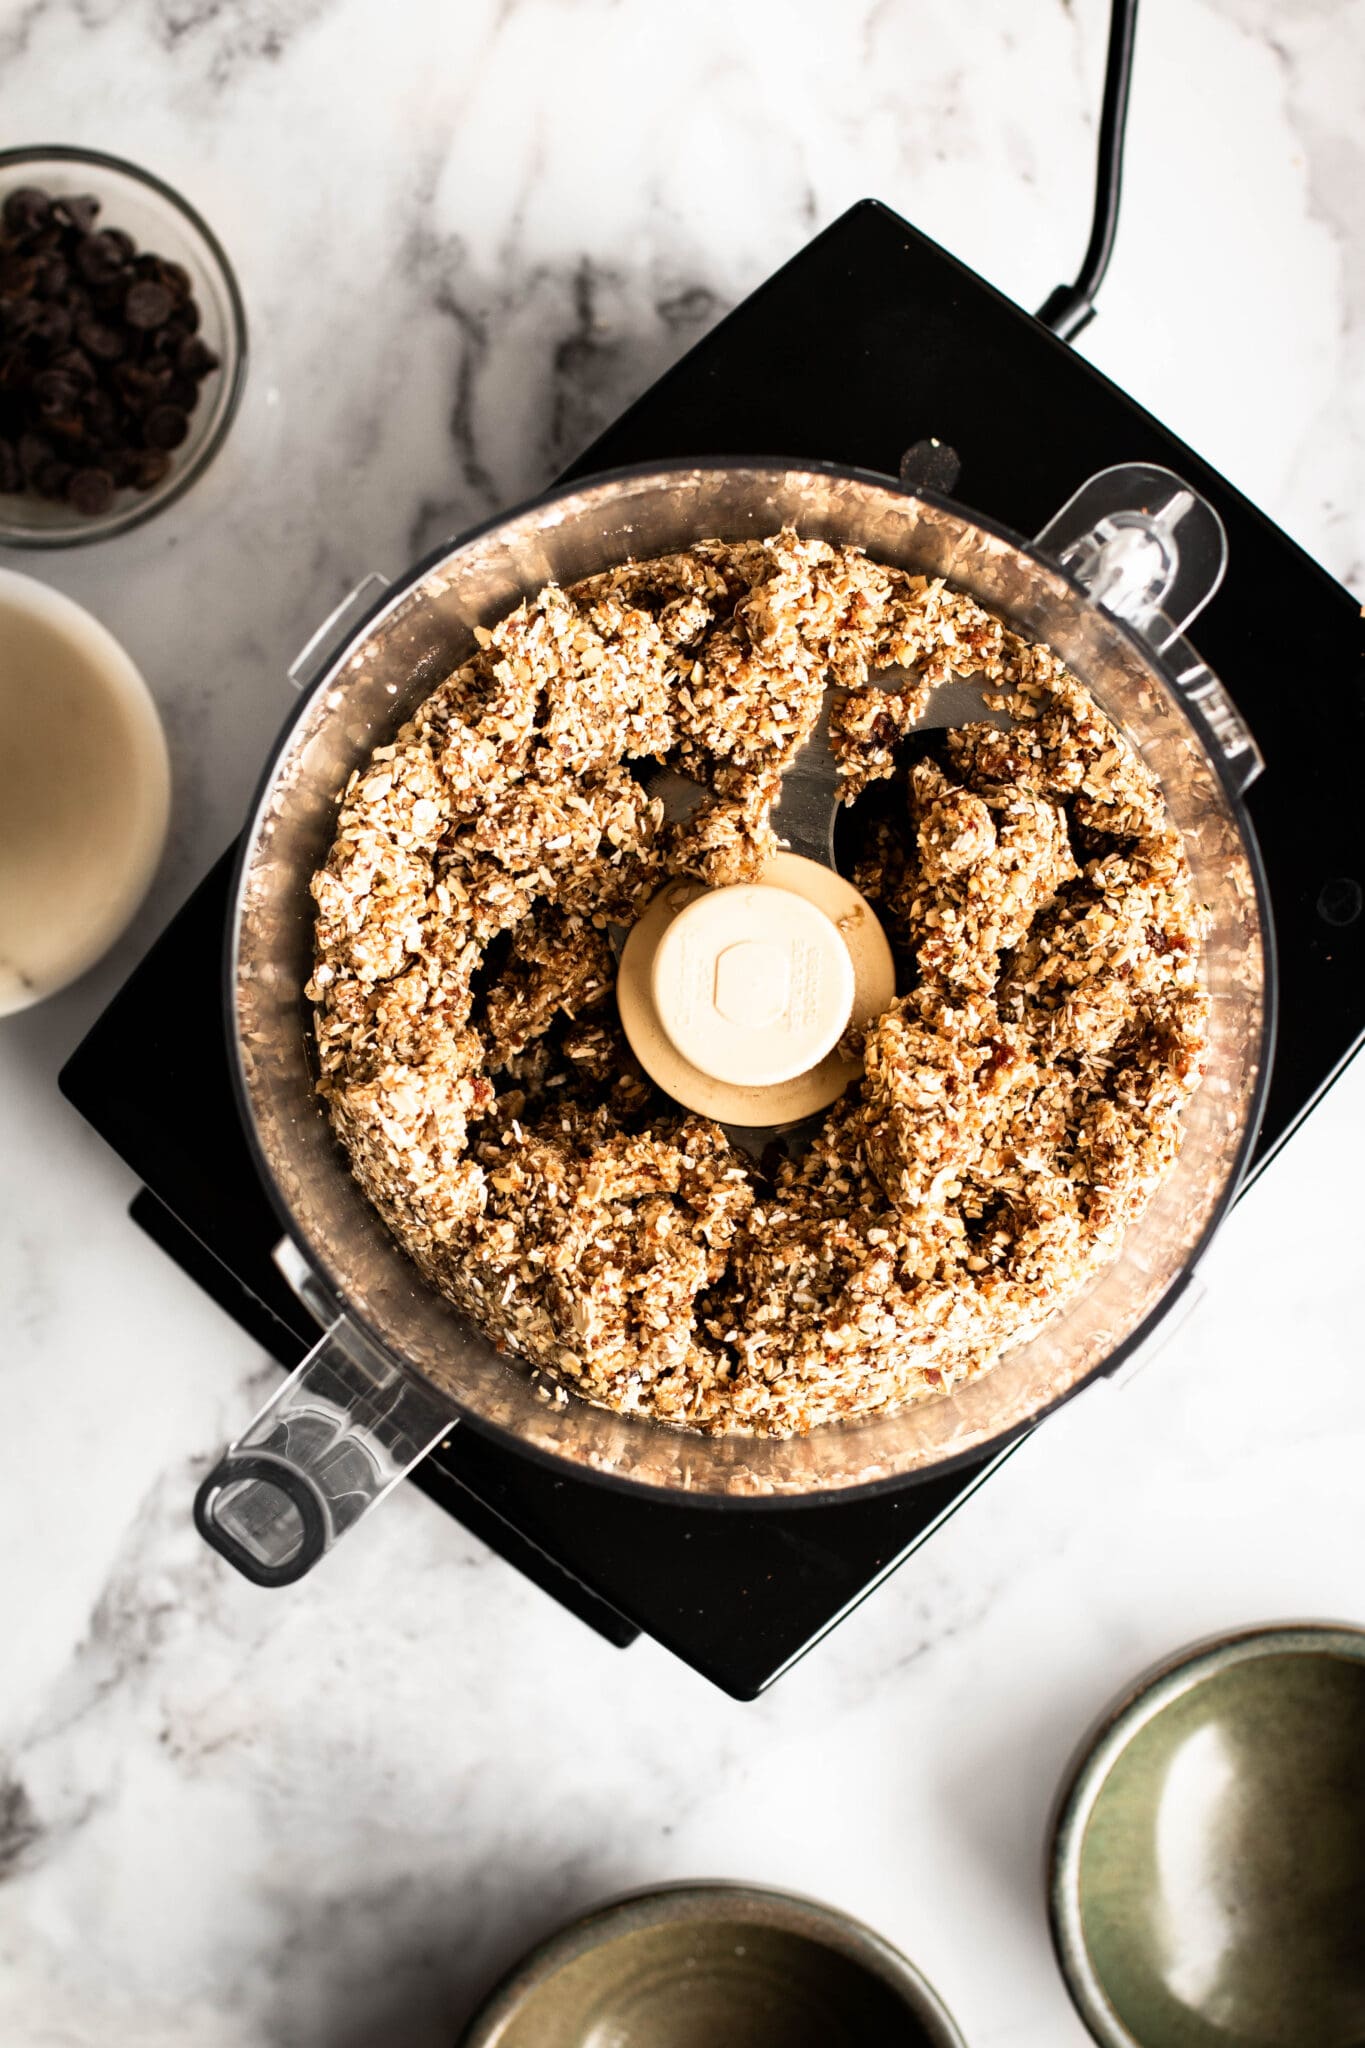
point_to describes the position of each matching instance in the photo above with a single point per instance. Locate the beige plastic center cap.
(753, 984)
(739, 993)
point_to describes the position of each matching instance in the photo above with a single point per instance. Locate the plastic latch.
(1224, 727)
(1143, 544)
(315, 658)
(1149, 550)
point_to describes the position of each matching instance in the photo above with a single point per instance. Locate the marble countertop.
(467, 235)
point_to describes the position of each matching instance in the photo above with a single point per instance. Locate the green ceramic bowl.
(1208, 1859)
(713, 1966)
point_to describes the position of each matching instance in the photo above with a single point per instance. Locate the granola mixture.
(1022, 1098)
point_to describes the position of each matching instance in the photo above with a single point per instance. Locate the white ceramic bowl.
(86, 796)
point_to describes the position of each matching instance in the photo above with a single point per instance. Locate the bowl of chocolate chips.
(122, 346)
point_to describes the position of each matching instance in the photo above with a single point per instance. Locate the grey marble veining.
(468, 234)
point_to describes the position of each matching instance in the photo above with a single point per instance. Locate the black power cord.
(1072, 306)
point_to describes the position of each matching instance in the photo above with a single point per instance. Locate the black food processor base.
(868, 342)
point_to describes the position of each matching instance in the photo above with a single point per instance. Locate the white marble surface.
(468, 233)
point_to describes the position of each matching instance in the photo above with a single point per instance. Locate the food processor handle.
(343, 1429)
(1144, 545)
(339, 627)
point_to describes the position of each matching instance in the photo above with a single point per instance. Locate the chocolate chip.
(52, 277)
(79, 210)
(175, 277)
(18, 275)
(147, 305)
(99, 258)
(33, 451)
(17, 316)
(140, 385)
(99, 340)
(194, 358)
(149, 466)
(50, 481)
(76, 364)
(55, 391)
(52, 324)
(165, 427)
(103, 419)
(11, 476)
(27, 210)
(90, 491)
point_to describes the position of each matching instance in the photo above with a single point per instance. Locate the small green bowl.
(713, 1966)
(1208, 1857)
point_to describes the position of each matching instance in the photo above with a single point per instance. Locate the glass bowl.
(161, 222)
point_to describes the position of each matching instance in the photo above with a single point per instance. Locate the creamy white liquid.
(83, 791)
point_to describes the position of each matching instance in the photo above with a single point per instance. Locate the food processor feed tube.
(1134, 544)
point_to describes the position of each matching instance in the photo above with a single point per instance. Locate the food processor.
(872, 349)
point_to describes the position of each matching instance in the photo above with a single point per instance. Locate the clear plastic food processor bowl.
(1110, 585)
